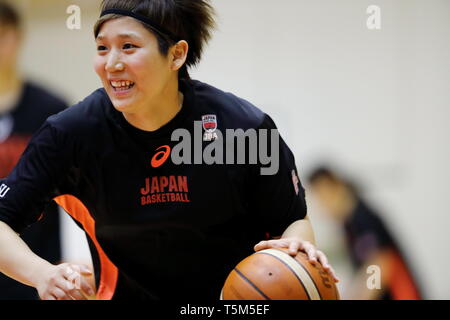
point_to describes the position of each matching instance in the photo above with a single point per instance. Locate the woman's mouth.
(121, 86)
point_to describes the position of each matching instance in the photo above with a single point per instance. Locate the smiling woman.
(155, 49)
(157, 229)
(138, 79)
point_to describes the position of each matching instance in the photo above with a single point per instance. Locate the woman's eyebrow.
(130, 35)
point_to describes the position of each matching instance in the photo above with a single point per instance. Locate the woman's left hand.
(294, 245)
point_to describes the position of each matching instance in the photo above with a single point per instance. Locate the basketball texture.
(273, 274)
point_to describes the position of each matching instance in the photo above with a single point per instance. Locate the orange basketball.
(273, 274)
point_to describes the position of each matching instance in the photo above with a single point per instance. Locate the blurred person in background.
(369, 241)
(24, 107)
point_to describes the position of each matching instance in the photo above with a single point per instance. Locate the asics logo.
(160, 157)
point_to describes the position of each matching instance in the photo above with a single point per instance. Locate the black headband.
(156, 27)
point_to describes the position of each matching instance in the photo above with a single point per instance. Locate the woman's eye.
(129, 46)
(101, 48)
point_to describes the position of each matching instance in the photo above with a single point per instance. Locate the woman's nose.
(114, 64)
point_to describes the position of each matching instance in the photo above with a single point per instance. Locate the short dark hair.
(325, 172)
(322, 172)
(9, 16)
(190, 20)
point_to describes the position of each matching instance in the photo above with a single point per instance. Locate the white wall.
(376, 103)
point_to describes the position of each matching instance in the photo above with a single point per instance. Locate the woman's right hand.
(65, 281)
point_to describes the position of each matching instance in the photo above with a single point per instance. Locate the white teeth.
(121, 83)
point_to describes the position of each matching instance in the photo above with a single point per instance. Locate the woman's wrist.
(38, 271)
(300, 230)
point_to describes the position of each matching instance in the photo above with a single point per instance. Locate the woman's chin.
(123, 104)
(121, 107)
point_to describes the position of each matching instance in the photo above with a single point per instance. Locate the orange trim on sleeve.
(401, 282)
(108, 271)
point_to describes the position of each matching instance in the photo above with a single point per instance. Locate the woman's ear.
(179, 53)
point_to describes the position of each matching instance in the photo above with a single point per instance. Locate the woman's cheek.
(98, 66)
(142, 65)
(137, 68)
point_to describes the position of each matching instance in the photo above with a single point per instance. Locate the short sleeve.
(277, 200)
(33, 182)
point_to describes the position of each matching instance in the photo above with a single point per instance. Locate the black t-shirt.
(366, 235)
(34, 106)
(159, 230)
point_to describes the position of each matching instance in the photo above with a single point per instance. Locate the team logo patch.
(209, 122)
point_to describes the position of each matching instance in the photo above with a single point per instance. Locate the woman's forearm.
(17, 261)
(300, 229)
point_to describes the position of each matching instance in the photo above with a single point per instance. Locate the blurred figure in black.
(368, 240)
(23, 109)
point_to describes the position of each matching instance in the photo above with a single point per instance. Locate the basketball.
(273, 274)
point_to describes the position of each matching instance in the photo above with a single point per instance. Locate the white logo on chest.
(3, 190)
